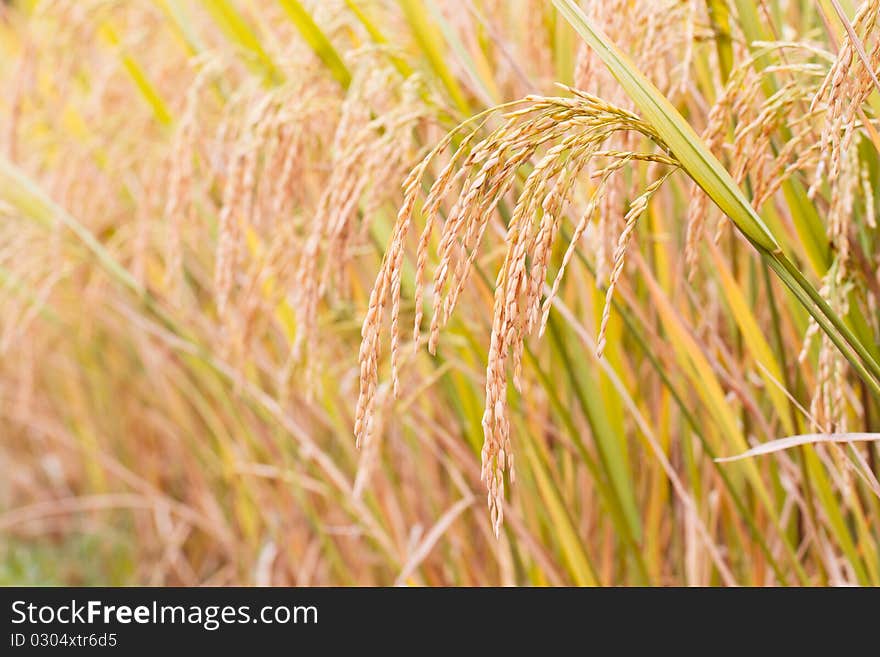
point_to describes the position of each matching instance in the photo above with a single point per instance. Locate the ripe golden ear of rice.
(560, 137)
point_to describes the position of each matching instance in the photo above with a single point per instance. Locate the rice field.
(440, 292)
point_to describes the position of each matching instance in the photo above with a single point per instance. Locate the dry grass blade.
(782, 444)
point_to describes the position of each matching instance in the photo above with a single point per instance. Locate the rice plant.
(292, 291)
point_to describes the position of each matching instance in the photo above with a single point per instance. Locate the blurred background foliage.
(195, 200)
